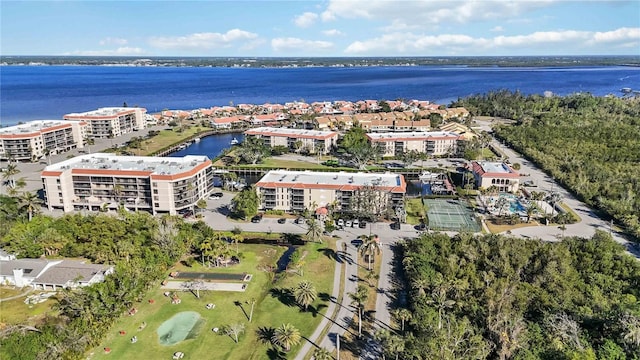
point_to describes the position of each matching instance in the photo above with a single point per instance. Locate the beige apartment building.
(111, 121)
(35, 139)
(295, 191)
(314, 141)
(160, 185)
(434, 143)
(497, 174)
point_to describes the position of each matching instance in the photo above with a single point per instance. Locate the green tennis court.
(450, 215)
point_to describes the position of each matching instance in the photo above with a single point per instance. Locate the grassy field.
(164, 139)
(17, 312)
(273, 307)
(415, 211)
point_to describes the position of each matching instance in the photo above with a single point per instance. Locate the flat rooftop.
(271, 131)
(153, 164)
(103, 112)
(286, 178)
(33, 126)
(421, 135)
(495, 167)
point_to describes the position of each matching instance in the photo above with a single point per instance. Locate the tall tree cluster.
(497, 297)
(140, 246)
(590, 144)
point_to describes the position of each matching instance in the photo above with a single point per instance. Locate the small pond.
(181, 326)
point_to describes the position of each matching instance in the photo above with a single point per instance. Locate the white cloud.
(408, 43)
(305, 20)
(327, 16)
(332, 32)
(619, 35)
(497, 29)
(291, 44)
(412, 14)
(121, 51)
(113, 41)
(198, 41)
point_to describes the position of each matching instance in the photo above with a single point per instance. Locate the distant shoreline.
(341, 62)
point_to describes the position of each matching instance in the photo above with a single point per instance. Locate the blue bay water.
(49, 92)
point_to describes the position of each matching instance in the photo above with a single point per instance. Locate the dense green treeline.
(496, 297)
(142, 248)
(590, 144)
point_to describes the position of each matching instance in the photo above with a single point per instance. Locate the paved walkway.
(30, 289)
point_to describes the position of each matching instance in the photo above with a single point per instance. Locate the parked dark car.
(256, 219)
(363, 224)
(395, 225)
(217, 195)
(356, 242)
(282, 221)
(187, 214)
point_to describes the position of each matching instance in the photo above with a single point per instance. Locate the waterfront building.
(44, 274)
(497, 174)
(111, 121)
(98, 182)
(35, 139)
(434, 143)
(295, 191)
(314, 141)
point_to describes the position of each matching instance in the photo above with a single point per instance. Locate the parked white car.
(356, 223)
(349, 223)
(340, 222)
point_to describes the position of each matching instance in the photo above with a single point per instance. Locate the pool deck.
(214, 286)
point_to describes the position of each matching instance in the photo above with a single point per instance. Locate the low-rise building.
(111, 121)
(434, 143)
(296, 191)
(100, 181)
(314, 141)
(51, 274)
(498, 174)
(33, 140)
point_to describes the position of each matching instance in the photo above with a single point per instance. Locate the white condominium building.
(346, 192)
(312, 140)
(106, 181)
(497, 174)
(434, 143)
(112, 121)
(35, 139)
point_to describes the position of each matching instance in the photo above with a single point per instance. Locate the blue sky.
(320, 28)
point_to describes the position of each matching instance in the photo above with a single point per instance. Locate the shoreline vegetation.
(296, 62)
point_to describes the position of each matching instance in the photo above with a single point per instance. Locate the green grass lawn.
(270, 311)
(415, 211)
(166, 138)
(17, 312)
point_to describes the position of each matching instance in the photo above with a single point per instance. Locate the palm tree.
(439, 299)
(358, 300)
(403, 315)
(205, 250)
(251, 302)
(370, 246)
(322, 354)
(562, 228)
(9, 175)
(31, 203)
(501, 203)
(286, 336)
(237, 238)
(117, 191)
(420, 284)
(531, 209)
(305, 294)
(314, 230)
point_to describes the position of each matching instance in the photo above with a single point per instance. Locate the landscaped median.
(274, 305)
